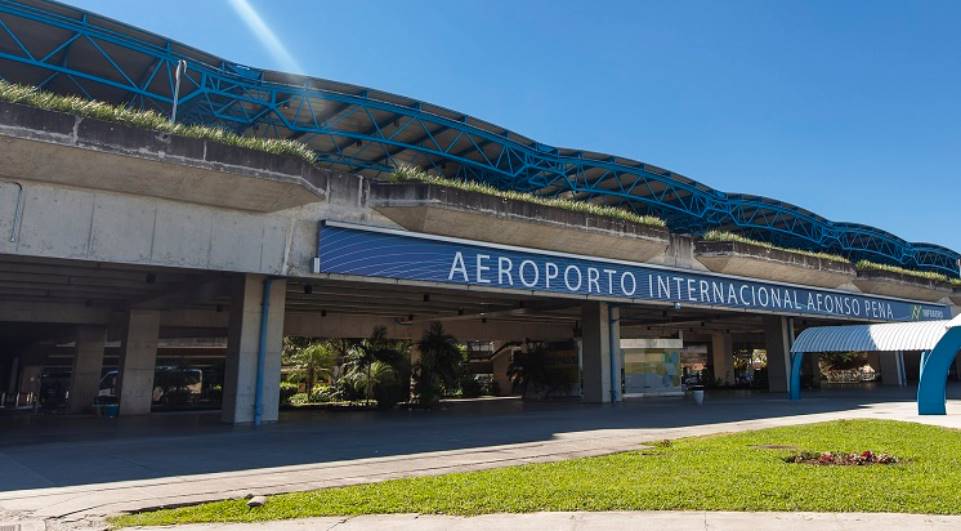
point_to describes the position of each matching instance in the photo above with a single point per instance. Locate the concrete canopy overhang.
(439, 210)
(739, 258)
(53, 147)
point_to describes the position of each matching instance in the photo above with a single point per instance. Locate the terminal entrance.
(70, 332)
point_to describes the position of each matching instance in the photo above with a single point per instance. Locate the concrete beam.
(201, 290)
(315, 324)
(89, 153)
(743, 259)
(442, 210)
(52, 312)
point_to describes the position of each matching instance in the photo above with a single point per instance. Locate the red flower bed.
(866, 457)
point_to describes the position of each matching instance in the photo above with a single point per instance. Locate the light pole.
(179, 71)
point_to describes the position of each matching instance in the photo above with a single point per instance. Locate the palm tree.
(311, 358)
(317, 360)
(440, 366)
(376, 354)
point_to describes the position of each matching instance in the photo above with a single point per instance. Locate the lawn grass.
(725, 472)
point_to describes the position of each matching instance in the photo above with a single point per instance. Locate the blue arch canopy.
(939, 341)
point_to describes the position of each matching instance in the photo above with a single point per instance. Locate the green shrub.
(323, 393)
(299, 399)
(287, 390)
(534, 373)
(390, 389)
(470, 386)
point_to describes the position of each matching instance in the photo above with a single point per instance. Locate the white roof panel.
(887, 337)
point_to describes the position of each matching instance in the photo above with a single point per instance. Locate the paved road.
(607, 521)
(80, 469)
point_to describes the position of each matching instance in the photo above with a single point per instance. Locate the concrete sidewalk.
(320, 454)
(605, 521)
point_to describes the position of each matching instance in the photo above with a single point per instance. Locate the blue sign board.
(391, 254)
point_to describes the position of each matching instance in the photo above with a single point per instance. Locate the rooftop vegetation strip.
(866, 265)
(153, 121)
(149, 120)
(725, 236)
(411, 174)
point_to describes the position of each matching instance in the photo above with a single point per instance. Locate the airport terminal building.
(125, 250)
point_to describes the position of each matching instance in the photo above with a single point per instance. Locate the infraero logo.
(916, 312)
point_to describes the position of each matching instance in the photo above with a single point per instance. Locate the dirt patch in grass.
(864, 458)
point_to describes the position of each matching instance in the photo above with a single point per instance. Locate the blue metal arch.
(64, 49)
(935, 366)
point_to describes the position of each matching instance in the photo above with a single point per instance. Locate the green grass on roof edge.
(411, 174)
(149, 120)
(154, 121)
(867, 265)
(725, 236)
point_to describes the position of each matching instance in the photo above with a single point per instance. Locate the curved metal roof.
(68, 50)
(887, 337)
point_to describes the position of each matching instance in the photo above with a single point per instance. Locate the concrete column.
(501, 365)
(597, 325)
(29, 384)
(778, 337)
(722, 357)
(892, 368)
(874, 360)
(14, 372)
(618, 358)
(243, 343)
(87, 366)
(138, 361)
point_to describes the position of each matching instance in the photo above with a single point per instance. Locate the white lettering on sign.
(504, 266)
(671, 287)
(567, 278)
(420, 258)
(551, 273)
(529, 274)
(457, 266)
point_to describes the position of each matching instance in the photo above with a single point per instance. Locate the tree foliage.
(312, 359)
(378, 368)
(532, 373)
(441, 364)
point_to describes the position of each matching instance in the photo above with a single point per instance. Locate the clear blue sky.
(850, 109)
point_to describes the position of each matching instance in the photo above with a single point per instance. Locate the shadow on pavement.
(53, 451)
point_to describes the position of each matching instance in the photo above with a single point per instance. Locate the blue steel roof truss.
(357, 132)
